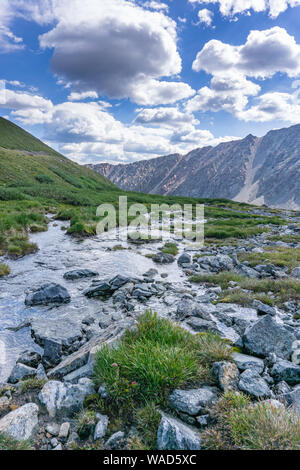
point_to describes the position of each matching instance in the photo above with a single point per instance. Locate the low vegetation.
(4, 270)
(32, 384)
(279, 256)
(8, 443)
(252, 426)
(170, 249)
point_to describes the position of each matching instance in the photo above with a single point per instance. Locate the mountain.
(33, 169)
(258, 170)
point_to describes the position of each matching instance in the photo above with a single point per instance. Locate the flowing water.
(59, 253)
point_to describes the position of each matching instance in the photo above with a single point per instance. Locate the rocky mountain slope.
(255, 170)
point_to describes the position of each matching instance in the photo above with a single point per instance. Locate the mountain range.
(258, 170)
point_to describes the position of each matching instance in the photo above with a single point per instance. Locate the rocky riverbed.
(60, 305)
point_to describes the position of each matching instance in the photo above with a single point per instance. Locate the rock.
(203, 420)
(52, 429)
(21, 372)
(118, 281)
(287, 371)
(101, 427)
(30, 359)
(282, 388)
(115, 440)
(103, 289)
(193, 401)
(84, 371)
(21, 423)
(227, 375)
(58, 447)
(163, 258)
(52, 352)
(267, 336)
(79, 274)
(296, 272)
(66, 331)
(40, 373)
(263, 309)
(243, 362)
(4, 403)
(64, 431)
(65, 399)
(291, 399)
(174, 435)
(85, 354)
(103, 392)
(253, 384)
(184, 259)
(48, 294)
(151, 273)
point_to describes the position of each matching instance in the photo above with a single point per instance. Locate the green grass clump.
(238, 296)
(4, 270)
(222, 279)
(279, 256)
(86, 423)
(153, 359)
(147, 422)
(32, 384)
(252, 426)
(8, 443)
(170, 249)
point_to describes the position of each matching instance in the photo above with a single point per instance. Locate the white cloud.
(82, 96)
(274, 106)
(114, 47)
(205, 16)
(229, 92)
(171, 116)
(9, 42)
(154, 5)
(264, 53)
(17, 100)
(232, 7)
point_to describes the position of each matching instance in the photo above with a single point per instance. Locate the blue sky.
(123, 80)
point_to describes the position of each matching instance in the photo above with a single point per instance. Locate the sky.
(124, 80)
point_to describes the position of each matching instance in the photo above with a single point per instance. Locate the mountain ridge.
(257, 170)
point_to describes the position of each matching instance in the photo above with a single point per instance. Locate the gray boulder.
(115, 440)
(227, 375)
(21, 372)
(264, 309)
(101, 427)
(184, 259)
(287, 371)
(291, 399)
(29, 358)
(79, 274)
(193, 401)
(64, 399)
(163, 258)
(243, 362)
(52, 352)
(103, 289)
(48, 294)
(21, 424)
(174, 435)
(267, 336)
(296, 272)
(253, 384)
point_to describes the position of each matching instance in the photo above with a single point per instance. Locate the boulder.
(174, 435)
(64, 430)
(48, 294)
(115, 440)
(103, 289)
(101, 427)
(227, 375)
(264, 309)
(296, 272)
(243, 362)
(21, 423)
(66, 330)
(29, 358)
(63, 399)
(79, 274)
(267, 336)
(184, 259)
(163, 258)
(253, 384)
(291, 399)
(52, 352)
(287, 371)
(21, 372)
(193, 401)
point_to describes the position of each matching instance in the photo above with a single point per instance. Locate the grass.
(238, 296)
(282, 289)
(147, 422)
(86, 422)
(32, 384)
(285, 238)
(154, 359)
(8, 443)
(170, 249)
(279, 256)
(4, 270)
(252, 426)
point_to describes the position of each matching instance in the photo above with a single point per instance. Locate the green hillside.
(14, 138)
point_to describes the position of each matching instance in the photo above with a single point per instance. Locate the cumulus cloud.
(171, 116)
(114, 47)
(205, 16)
(9, 42)
(274, 105)
(82, 96)
(232, 7)
(17, 100)
(264, 53)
